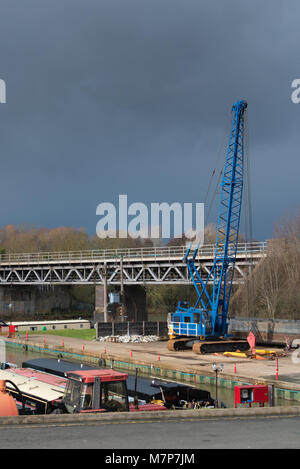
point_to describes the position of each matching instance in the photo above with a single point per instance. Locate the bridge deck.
(249, 250)
(139, 266)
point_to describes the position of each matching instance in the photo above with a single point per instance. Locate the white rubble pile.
(129, 338)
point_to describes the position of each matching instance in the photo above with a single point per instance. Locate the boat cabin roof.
(88, 376)
(29, 385)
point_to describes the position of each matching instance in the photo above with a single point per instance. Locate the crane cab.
(187, 321)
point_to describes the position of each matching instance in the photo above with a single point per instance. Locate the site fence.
(159, 328)
(266, 331)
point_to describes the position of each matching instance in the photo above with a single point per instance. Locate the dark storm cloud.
(134, 96)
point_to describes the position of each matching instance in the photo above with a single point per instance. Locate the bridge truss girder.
(134, 273)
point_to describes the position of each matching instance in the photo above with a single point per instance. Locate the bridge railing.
(148, 253)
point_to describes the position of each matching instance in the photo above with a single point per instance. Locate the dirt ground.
(157, 354)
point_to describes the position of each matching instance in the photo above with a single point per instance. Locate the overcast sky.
(109, 97)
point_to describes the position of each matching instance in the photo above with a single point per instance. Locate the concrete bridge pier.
(33, 301)
(135, 305)
(17, 300)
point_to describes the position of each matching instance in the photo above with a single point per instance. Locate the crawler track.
(220, 346)
(174, 345)
(202, 347)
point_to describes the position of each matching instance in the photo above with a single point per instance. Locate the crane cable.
(215, 193)
(220, 153)
(248, 226)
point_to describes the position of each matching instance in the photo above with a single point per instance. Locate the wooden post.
(271, 395)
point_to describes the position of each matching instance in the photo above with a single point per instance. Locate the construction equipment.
(204, 327)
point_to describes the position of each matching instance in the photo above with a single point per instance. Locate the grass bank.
(84, 334)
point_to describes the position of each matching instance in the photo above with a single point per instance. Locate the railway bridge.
(123, 268)
(155, 265)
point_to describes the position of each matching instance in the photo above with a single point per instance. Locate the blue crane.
(205, 325)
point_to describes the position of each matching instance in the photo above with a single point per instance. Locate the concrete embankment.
(144, 417)
(153, 359)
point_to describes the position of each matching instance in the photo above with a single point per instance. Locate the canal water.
(224, 395)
